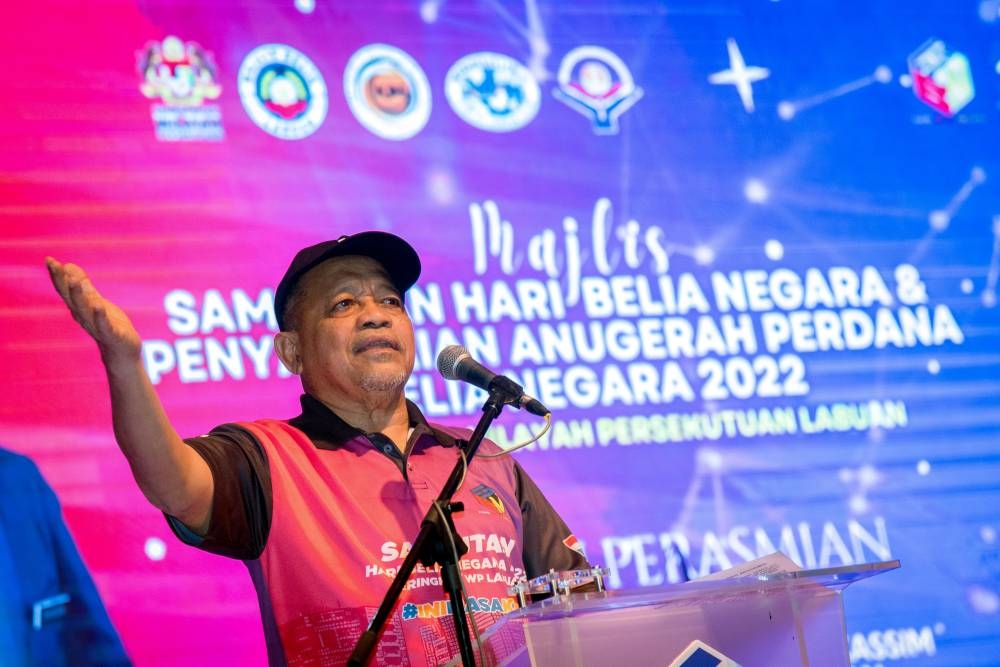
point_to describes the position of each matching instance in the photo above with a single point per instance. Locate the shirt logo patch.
(489, 498)
(572, 542)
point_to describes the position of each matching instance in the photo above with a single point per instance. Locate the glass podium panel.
(782, 618)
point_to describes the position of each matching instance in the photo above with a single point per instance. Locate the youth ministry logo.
(282, 91)
(387, 91)
(492, 91)
(182, 76)
(596, 83)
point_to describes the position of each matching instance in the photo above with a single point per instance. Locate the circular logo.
(387, 91)
(282, 91)
(492, 91)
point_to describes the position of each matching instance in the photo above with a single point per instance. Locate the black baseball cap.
(396, 255)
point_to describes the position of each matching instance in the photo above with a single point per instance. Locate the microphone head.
(448, 358)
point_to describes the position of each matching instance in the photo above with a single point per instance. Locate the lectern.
(783, 618)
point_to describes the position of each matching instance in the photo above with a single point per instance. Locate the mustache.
(376, 342)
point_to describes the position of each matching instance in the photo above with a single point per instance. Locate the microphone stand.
(437, 534)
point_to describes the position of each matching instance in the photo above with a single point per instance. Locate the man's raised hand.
(106, 323)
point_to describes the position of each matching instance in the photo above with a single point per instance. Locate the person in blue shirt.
(50, 612)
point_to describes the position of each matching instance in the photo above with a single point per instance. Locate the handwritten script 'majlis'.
(562, 255)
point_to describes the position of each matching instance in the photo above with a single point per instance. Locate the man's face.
(355, 339)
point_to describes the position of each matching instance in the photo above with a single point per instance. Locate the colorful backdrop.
(745, 251)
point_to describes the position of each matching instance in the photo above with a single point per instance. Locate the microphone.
(455, 363)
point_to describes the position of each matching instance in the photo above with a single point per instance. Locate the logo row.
(285, 94)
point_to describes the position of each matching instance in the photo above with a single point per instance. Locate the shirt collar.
(328, 431)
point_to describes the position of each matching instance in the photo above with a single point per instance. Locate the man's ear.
(286, 345)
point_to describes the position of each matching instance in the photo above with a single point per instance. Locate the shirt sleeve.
(241, 500)
(548, 542)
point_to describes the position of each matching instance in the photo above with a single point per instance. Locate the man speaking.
(321, 507)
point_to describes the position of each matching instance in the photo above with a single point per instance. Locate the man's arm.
(548, 542)
(170, 474)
